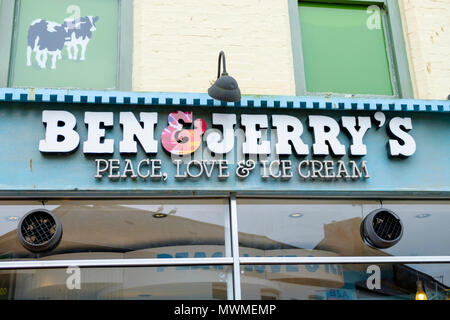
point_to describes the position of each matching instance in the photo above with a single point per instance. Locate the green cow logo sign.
(58, 44)
(47, 38)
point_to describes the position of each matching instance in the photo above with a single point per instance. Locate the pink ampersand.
(179, 141)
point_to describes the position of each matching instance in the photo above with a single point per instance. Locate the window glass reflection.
(289, 227)
(425, 224)
(345, 282)
(108, 229)
(152, 283)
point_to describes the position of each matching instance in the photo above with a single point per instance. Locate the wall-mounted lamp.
(225, 88)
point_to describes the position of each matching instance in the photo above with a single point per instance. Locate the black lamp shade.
(225, 89)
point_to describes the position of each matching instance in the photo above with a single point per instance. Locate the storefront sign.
(61, 137)
(145, 148)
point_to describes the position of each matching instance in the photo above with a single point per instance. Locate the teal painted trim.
(6, 29)
(136, 194)
(125, 73)
(183, 100)
(114, 194)
(26, 169)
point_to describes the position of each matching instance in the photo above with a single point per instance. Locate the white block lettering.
(60, 136)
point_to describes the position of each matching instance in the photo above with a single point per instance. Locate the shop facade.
(292, 192)
(236, 219)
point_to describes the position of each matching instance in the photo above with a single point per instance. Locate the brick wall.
(177, 43)
(426, 24)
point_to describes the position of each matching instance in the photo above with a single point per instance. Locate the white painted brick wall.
(427, 28)
(177, 43)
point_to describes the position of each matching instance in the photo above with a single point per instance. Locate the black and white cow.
(79, 32)
(44, 38)
(49, 38)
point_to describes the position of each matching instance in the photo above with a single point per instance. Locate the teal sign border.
(24, 168)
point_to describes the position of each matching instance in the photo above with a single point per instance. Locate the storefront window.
(118, 235)
(62, 44)
(152, 283)
(345, 282)
(109, 229)
(319, 228)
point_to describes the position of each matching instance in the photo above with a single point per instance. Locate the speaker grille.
(38, 228)
(381, 229)
(387, 226)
